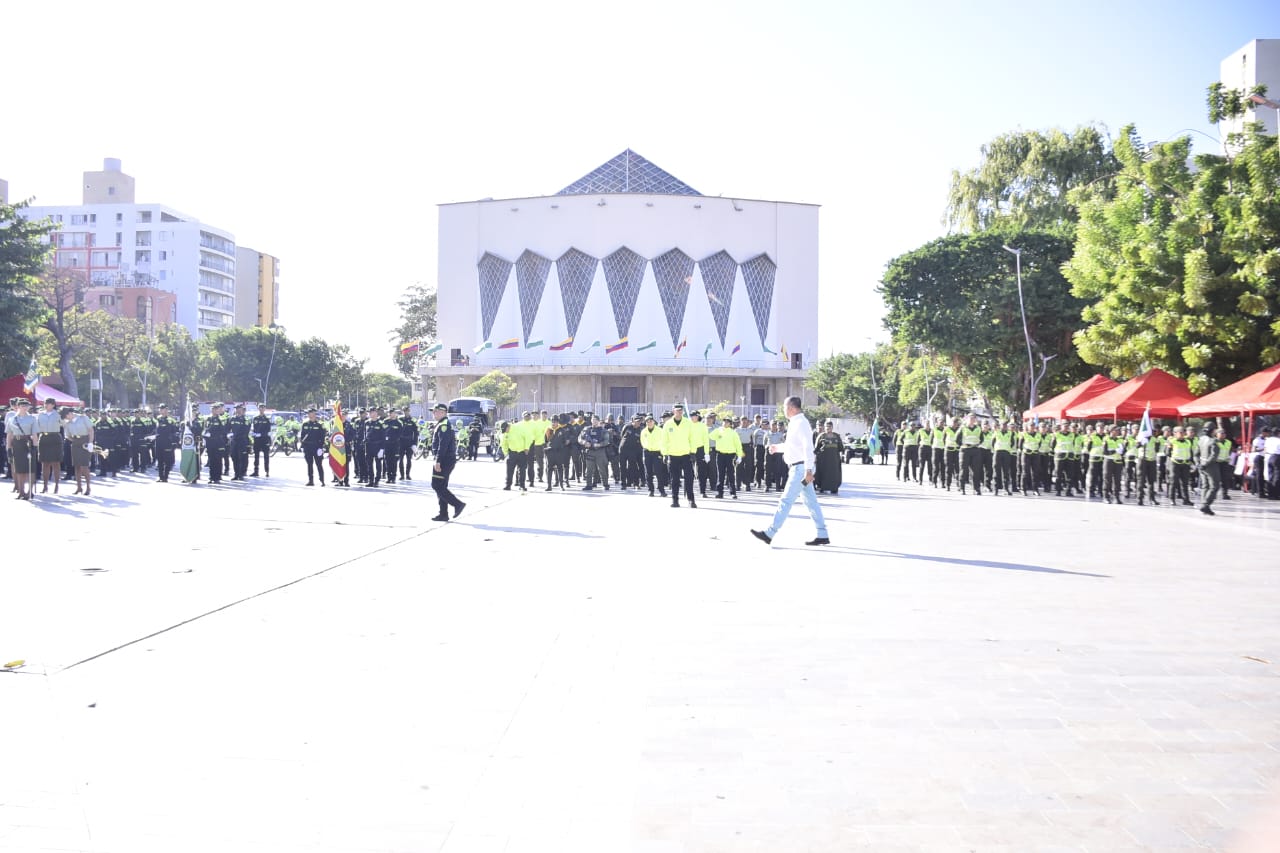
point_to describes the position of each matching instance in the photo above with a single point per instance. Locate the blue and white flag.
(31, 379)
(1144, 429)
(873, 442)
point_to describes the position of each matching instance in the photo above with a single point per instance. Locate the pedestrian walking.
(797, 452)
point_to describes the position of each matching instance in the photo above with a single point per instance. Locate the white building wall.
(1257, 62)
(650, 225)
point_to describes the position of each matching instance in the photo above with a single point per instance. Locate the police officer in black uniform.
(312, 440)
(239, 428)
(166, 442)
(260, 429)
(444, 449)
(375, 440)
(391, 428)
(408, 444)
(215, 442)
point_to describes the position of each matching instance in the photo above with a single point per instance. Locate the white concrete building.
(628, 288)
(1257, 63)
(119, 242)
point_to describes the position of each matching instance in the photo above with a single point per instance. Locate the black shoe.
(821, 540)
(309, 483)
(762, 536)
(1207, 511)
(506, 488)
(457, 510)
(692, 505)
(675, 504)
(439, 518)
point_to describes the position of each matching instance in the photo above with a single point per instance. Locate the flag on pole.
(873, 442)
(533, 344)
(683, 343)
(593, 346)
(706, 352)
(736, 348)
(766, 349)
(409, 347)
(433, 349)
(511, 343)
(784, 352)
(563, 345)
(620, 345)
(338, 444)
(649, 345)
(1145, 430)
(31, 379)
(189, 464)
(484, 346)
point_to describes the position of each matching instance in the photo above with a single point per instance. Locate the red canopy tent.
(12, 387)
(1257, 393)
(1055, 406)
(1163, 392)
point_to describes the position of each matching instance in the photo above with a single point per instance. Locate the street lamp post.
(266, 386)
(1267, 102)
(875, 393)
(1032, 379)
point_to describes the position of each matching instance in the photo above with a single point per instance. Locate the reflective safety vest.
(1031, 442)
(1180, 450)
(950, 439)
(1002, 441)
(1114, 448)
(677, 437)
(1224, 450)
(970, 436)
(1062, 444)
(905, 437)
(939, 436)
(1097, 446)
(727, 441)
(1152, 448)
(651, 439)
(988, 439)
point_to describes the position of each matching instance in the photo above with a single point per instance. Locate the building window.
(119, 239)
(144, 216)
(164, 256)
(758, 397)
(111, 190)
(624, 394)
(164, 275)
(531, 280)
(718, 273)
(758, 275)
(119, 218)
(143, 239)
(623, 274)
(673, 272)
(576, 270)
(494, 272)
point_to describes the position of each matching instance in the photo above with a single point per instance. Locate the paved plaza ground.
(272, 668)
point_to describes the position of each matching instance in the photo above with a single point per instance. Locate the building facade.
(117, 242)
(628, 290)
(1256, 63)
(257, 288)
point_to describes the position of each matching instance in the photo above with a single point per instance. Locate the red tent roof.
(1257, 393)
(12, 387)
(1162, 391)
(1055, 406)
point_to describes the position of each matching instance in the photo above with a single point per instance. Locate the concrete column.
(648, 391)
(703, 401)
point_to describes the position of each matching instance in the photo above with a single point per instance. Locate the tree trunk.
(69, 383)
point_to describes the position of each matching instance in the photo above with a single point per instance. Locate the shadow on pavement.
(982, 564)
(534, 531)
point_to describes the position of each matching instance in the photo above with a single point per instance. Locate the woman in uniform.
(828, 456)
(21, 444)
(79, 431)
(49, 436)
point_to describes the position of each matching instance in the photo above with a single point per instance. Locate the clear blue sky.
(328, 137)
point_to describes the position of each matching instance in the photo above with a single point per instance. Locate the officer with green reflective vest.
(908, 456)
(1095, 451)
(728, 452)
(678, 443)
(1131, 453)
(969, 439)
(939, 442)
(951, 446)
(1113, 446)
(987, 453)
(1063, 447)
(1002, 446)
(1181, 449)
(924, 454)
(1029, 448)
(1148, 454)
(1225, 470)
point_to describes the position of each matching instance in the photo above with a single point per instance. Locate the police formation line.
(1111, 462)
(56, 444)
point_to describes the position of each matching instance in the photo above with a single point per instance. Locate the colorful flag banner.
(484, 346)
(409, 347)
(31, 379)
(593, 346)
(533, 344)
(189, 464)
(736, 348)
(784, 352)
(1145, 430)
(338, 444)
(434, 348)
(706, 352)
(620, 345)
(683, 343)
(563, 345)
(766, 349)
(649, 345)
(509, 344)
(873, 443)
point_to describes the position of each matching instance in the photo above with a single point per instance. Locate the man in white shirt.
(797, 451)
(1271, 447)
(1258, 464)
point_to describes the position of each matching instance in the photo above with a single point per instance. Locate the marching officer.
(313, 439)
(166, 442)
(260, 429)
(215, 442)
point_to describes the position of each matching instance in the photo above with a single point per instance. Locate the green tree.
(61, 291)
(387, 389)
(496, 386)
(1024, 180)
(22, 254)
(846, 382)
(958, 297)
(1180, 266)
(417, 323)
(178, 367)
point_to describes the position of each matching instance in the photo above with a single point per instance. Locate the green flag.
(706, 352)
(593, 346)
(484, 346)
(533, 344)
(649, 345)
(189, 465)
(434, 348)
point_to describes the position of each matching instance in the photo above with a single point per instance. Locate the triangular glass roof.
(628, 173)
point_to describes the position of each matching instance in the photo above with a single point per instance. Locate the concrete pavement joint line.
(304, 521)
(251, 598)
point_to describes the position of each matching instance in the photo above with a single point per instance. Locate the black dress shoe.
(821, 540)
(762, 536)
(457, 510)
(439, 518)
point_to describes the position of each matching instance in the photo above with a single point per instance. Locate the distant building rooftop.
(628, 173)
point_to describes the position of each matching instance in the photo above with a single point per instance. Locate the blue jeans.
(795, 482)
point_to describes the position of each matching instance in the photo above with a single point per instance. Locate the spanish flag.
(338, 444)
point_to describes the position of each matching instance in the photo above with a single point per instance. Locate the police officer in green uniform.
(969, 439)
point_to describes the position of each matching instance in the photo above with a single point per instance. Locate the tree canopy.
(22, 254)
(417, 323)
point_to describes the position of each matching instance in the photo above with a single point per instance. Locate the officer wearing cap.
(631, 453)
(312, 441)
(215, 442)
(22, 447)
(444, 449)
(375, 440)
(355, 438)
(408, 443)
(677, 444)
(260, 430)
(391, 445)
(166, 442)
(4, 432)
(238, 426)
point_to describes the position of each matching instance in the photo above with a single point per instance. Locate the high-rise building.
(1257, 63)
(120, 244)
(257, 288)
(4, 191)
